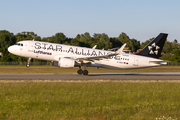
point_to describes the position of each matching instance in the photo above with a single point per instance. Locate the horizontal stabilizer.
(159, 62)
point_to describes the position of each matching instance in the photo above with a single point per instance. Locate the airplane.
(67, 56)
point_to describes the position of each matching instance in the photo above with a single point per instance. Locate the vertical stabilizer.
(154, 48)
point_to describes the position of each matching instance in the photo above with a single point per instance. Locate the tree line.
(103, 41)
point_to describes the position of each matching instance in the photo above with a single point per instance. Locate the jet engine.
(64, 63)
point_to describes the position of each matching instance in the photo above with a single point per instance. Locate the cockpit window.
(19, 44)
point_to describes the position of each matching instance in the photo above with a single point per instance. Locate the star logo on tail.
(153, 49)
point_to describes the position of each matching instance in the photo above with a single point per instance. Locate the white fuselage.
(52, 52)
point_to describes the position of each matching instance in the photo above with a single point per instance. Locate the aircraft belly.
(114, 64)
(134, 62)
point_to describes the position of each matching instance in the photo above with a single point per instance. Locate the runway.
(93, 76)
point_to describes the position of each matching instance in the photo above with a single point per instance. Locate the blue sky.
(139, 19)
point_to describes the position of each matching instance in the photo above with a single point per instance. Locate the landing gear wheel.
(27, 66)
(79, 71)
(85, 72)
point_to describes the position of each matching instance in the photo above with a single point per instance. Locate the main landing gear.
(80, 71)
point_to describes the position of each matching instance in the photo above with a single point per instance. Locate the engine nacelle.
(64, 63)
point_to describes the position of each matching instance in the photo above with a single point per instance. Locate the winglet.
(120, 50)
(94, 47)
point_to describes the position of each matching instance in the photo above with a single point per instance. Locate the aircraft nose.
(11, 49)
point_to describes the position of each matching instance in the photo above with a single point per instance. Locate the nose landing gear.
(28, 64)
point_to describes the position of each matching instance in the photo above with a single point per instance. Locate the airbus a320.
(67, 56)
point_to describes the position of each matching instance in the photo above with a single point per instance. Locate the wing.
(92, 59)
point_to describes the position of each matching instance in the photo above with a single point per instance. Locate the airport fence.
(48, 63)
(173, 64)
(25, 63)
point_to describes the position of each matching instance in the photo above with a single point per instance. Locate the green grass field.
(51, 69)
(39, 100)
(91, 100)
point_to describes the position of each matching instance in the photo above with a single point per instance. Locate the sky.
(139, 19)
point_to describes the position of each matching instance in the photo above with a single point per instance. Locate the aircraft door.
(136, 60)
(31, 46)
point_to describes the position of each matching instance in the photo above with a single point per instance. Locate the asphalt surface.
(92, 76)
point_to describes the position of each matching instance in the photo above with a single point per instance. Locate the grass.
(89, 100)
(49, 69)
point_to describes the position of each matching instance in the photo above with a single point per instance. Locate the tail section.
(154, 48)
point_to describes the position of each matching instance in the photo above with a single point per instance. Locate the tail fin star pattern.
(154, 48)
